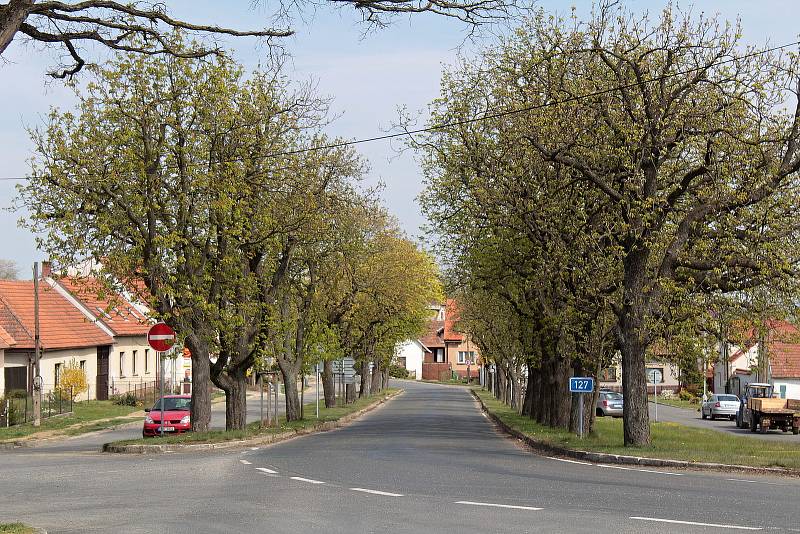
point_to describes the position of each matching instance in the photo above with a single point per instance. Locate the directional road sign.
(161, 337)
(581, 384)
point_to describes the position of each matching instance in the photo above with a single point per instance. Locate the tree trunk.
(350, 392)
(12, 15)
(527, 403)
(201, 380)
(365, 379)
(236, 402)
(328, 385)
(375, 387)
(385, 378)
(290, 385)
(630, 333)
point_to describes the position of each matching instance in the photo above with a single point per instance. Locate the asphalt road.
(427, 461)
(692, 418)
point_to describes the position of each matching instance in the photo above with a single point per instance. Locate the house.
(131, 362)
(65, 335)
(443, 350)
(667, 376)
(740, 365)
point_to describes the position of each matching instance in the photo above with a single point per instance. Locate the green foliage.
(398, 371)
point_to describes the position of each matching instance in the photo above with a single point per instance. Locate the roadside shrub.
(16, 409)
(73, 380)
(398, 371)
(125, 399)
(686, 395)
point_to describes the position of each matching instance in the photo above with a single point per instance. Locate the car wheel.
(702, 414)
(733, 418)
(600, 413)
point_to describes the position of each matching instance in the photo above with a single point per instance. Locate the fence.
(17, 407)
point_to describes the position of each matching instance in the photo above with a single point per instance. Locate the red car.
(176, 416)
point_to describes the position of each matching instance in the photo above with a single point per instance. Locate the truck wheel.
(795, 430)
(753, 424)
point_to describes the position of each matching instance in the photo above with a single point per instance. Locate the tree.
(113, 24)
(72, 380)
(8, 270)
(680, 147)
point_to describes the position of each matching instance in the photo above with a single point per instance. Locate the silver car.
(721, 405)
(610, 403)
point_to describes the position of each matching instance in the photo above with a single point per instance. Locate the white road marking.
(254, 448)
(498, 505)
(245, 462)
(568, 461)
(265, 470)
(309, 480)
(376, 492)
(695, 523)
(754, 481)
(642, 470)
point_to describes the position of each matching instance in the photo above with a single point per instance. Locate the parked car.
(176, 416)
(722, 405)
(610, 403)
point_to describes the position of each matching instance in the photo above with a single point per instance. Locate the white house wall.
(413, 354)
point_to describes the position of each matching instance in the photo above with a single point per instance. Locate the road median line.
(494, 505)
(597, 458)
(695, 523)
(262, 440)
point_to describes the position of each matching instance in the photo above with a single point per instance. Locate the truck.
(760, 411)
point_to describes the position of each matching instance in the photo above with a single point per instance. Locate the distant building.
(443, 350)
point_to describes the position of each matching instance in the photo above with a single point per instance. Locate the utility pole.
(37, 377)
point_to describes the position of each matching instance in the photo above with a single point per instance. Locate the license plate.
(166, 429)
(616, 406)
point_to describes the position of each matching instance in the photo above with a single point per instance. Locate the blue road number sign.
(581, 384)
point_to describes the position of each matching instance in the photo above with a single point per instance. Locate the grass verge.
(86, 417)
(15, 528)
(669, 440)
(254, 430)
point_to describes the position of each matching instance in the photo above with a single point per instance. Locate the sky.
(369, 77)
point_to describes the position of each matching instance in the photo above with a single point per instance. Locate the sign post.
(581, 385)
(655, 376)
(161, 338)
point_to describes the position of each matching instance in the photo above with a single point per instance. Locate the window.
(461, 355)
(83, 365)
(133, 363)
(466, 357)
(609, 374)
(146, 361)
(121, 364)
(438, 356)
(58, 373)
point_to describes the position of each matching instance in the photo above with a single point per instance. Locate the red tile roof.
(109, 307)
(432, 339)
(784, 350)
(451, 316)
(62, 326)
(6, 341)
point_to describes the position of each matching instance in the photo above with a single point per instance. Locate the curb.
(600, 457)
(260, 440)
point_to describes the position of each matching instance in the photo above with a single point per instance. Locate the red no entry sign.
(161, 337)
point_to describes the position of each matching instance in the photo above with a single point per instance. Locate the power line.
(496, 114)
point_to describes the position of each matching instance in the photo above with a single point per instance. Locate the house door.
(16, 378)
(102, 373)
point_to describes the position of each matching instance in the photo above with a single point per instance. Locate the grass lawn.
(15, 528)
(670, 440)
(254, 430)
(678, 403)
(86, 414)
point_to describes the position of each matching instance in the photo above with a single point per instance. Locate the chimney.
(46, 266)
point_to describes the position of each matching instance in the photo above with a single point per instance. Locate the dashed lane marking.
(254, 448)
(642, 470)
(265, 470)
(309, 480)
(376, 492)
(245, 462)
(513, 506)
(695, 523)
